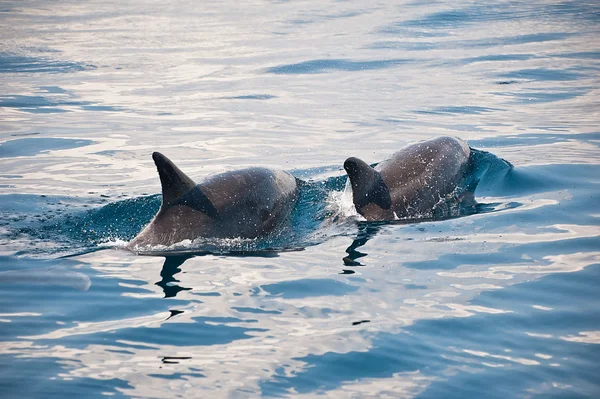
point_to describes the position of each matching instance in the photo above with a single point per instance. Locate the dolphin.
(412, 182)
(247, 203)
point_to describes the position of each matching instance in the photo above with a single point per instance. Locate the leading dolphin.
(246, 203)
(412, 182)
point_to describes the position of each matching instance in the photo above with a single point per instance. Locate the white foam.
(341, 206)
(200, 244)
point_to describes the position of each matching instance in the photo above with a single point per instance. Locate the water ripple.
(320, 66)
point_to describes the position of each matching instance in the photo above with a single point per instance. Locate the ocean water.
(499, 300)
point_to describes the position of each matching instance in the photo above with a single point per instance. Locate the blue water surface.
(495, 299)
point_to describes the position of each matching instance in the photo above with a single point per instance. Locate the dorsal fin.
(367, 185)
(174, 182)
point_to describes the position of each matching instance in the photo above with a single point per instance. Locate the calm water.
(502, 302)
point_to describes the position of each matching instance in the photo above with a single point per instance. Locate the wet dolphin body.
(246, 203)
(412, 182)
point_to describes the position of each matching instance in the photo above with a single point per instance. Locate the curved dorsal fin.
(174, 182)
(367, 185)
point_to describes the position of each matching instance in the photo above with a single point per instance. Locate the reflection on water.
(169, 270)
(500, 297)
(30, 147)
(366, 231)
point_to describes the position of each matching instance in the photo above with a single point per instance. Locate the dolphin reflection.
(366, 231)
(169, 269)
(172, 264)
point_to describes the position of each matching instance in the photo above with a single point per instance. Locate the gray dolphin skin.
(411, 182)
(246, 203)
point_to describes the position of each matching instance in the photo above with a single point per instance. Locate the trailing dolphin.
(412, 182)
(246, 203)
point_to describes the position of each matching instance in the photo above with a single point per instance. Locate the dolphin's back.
(419, 175)
(246, 203)
(410, 183)
(251, 202)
